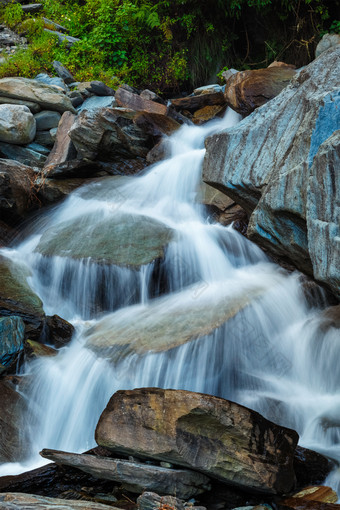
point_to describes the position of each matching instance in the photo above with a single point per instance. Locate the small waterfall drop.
(213, 314)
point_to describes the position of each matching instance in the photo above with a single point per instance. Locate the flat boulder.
(217, 437)
(196, 102)
(46, 96)
(17, 124)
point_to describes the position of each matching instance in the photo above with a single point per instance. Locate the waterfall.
(213, 314)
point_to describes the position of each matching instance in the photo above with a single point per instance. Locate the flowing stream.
(214, 315)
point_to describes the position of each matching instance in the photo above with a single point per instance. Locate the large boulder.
(17, 124)
(46, 96)
(16, 190)
(280, 167)
(214, 436)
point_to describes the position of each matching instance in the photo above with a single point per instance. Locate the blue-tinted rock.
(97, 102)
(12, 331)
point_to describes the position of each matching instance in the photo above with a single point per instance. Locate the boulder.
(159, 152)
(122, 239)
(156, 125)
(46, 96)
(24, 155)
(50, 191)
(214, 436)
(17, 124)
(45, 138)
(18, 501)
(110, 133)
(327, 41)
(12, 331)
(321, 497)
(13, 447)
(58, 332)
(135, 476)
(75, 168)
(34, 107)
(208, 113)
(152, 501)
(47, 120)
(37, 350)
(96, 103)
(61, 70)
(151, 96)
(127, 99)
(30, 8)
(207, 89)
(63, 149)
(197, 102)
(247, 90)
(16, 187)
(54, 81)
(281, 148)
(310, 467)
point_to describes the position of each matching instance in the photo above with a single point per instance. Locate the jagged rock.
(24, 155)
(16, 186)
(247, 90)
(151, 96)
(36, 147)
(96, 102)
(100, 89)
(159, 152)
(212, 197)
(214, 436)
(58, 332)
(134, 476)
(311, 495)
(63, 149)
(37, 350)
(110, 133)
(262, 163)
(152, 501)
(75, 168)
(61, 70)
(12, 330)
(156, 125)
(197, 102)
(63, 38)
(277, 63)
(17, 124)
(300, 504)
(327, 41)
(18, 501)
(34, 107)
(47, 120)
(12, 430)
(54, 81)
(310, 467)
(46, 96)
(50, 191)
(128, 99)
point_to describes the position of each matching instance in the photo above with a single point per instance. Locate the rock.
(156, 125)
(13, 447)
(45, 138)
(76, 98)
(34, 107)
(63, 149)
(12, 331)
(207, 113)
(277, 63)
(228, 73)
(50, 191)
(300, 504)
(247, 90)
(16, 188)
(212, 197)
(58, 332)
(45, 96)
(75, 168)
(264, 160)
(29, 8)
(311, 496)
(127, 99)
(37, 350)
(61, 70)
(17, 501)
(152, 501)
(122, 239)
(193, 103)
(159, 152)
(214, 436)
(23, 155)
(54, 81)
(151, 96)
(36, 147)
(331, 317)
(100, 89)
(47, 120)
(135, 476)
(17, 124)
(63, 38)
(170, 321)
(310, 467)
(109, 132)
(96, 103)
(207, 89)
(327, 41)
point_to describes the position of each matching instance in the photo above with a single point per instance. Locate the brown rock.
(156, 125)
(17, 501)
(16, 190)
(311, 496)
(277, 63)
(159, 152)
(247, 90)
(208, 112)
(37, 350)
(193, 103)
(59, 332)
(301, 504)
(128, 99)
(310, 467)
(214, 436)
(63, 149)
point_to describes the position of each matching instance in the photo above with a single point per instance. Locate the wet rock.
(12, 431)
(264, 160)
(310, 496)
(50, 191)
(214, 436)
(63, 149)
(58, 331)
(168, 322)
(12, 330)
(17, 124)
(310, 467)
(123, 239)
(208, 113)
(247, 90)
(34, 107)
(47, 120)
(61, 70)
(327, 41)
(37, 350)
(17, 501)
(197, 102)
(331, 317)
(156, 125)
(159, 152)
(134, 476)
(24, 155)
(110, 133)
(16, 186)
(46, 96)
(210, 196)
(128, 99)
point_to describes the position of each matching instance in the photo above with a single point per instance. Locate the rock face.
(273, 162)
(46, 96)
(135, 476)
(17, 124)
(215, 436)
(248, 90)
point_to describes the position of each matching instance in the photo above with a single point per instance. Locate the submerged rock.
(134, 476)
(214, 436)
(122, 239)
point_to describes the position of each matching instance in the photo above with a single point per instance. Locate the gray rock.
(51, 80)
(70, 41)
(47, 120)
(23, 155)
(152, 501)
(17, 124)
(29, 8)
(44, 138)
(151, 96)
(134, 476)
(47, 96)
(34, 107)
(18, 501)
(95, 103)
(36, 147)
(12, 331)
(328, 41)
(207, 89)
(61, 70)
(100, 89)
(265, 164)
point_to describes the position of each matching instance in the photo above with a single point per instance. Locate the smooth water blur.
(272, 354)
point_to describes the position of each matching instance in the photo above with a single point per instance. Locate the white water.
(271, 356)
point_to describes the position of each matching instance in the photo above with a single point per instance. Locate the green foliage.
(335, 27)
(12, 14)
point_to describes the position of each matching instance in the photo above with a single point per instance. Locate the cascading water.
(212, 315)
